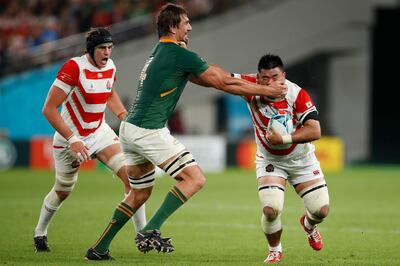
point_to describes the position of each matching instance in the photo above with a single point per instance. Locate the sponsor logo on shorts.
(269, 168)
(316, 172)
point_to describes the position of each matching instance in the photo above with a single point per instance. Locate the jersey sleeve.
(68, 76)
(191, 63)
(303, 105)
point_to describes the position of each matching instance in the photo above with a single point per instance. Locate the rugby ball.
(281, 122)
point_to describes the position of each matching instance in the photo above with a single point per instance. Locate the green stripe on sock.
(180, 193)
(118, 220)
(169, 206)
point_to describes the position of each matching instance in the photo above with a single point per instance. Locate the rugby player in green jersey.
(147, 142)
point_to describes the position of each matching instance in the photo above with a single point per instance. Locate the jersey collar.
(168, 40)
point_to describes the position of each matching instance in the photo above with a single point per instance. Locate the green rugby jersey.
(161, 83)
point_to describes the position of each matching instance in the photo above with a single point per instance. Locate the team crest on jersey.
(108, 85)
(99, 75)
(269, 168)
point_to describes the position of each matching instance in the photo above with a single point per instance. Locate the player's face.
(267, 76)
(184, 27)
(102, 53)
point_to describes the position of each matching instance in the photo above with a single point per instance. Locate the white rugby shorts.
(298, 170)
(103, 137)
(141, 145)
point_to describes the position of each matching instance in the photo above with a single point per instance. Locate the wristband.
(73, 139)
(287, 139)
(122, 115)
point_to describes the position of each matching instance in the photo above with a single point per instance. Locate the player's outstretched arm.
(116, 106)
(218, 78)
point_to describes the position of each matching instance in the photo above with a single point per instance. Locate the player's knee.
(178, 164)
(199, 182)
(323, 212)
(62, 195)
(270, 213)
(271, 198)
(65, 182)
(116, 162)
(316, 201)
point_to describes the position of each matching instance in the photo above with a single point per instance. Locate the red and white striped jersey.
(297, 102)
(88, 89)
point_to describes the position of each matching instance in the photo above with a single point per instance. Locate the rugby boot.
(41, 244)
(273, 257)
(92, 254)
(314, 237)
(146, 241)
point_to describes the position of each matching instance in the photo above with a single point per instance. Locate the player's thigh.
(142, 145)
(108, 152)
(268, 171)
(140, 169)
(271, 180)
(193, 173)
(303, 170)
(64, 160)
(104, 143)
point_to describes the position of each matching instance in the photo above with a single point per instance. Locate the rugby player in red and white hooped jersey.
(84, 88)
(288, 158)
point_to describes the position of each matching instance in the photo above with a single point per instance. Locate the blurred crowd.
(26, 24)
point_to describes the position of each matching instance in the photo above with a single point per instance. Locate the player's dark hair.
(96, 37)
(270, 61)
(169, 16)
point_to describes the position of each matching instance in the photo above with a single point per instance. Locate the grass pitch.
(219, 226)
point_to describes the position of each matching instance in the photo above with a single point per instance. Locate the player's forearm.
(116, 107)
(308, 133)
(245, 88)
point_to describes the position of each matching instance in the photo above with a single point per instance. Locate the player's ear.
(172, 29)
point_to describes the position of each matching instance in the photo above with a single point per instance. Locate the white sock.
(50, 205)
(139, 218)
(277, 248)
(307, 224)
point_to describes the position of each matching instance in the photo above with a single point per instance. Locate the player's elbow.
(313, 129)
(47, 111)
(316, 133)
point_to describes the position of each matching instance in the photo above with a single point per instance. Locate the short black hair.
(270, 61)
(95, 37)
(169, 16)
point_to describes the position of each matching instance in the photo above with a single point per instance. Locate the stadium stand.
(37, 32)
